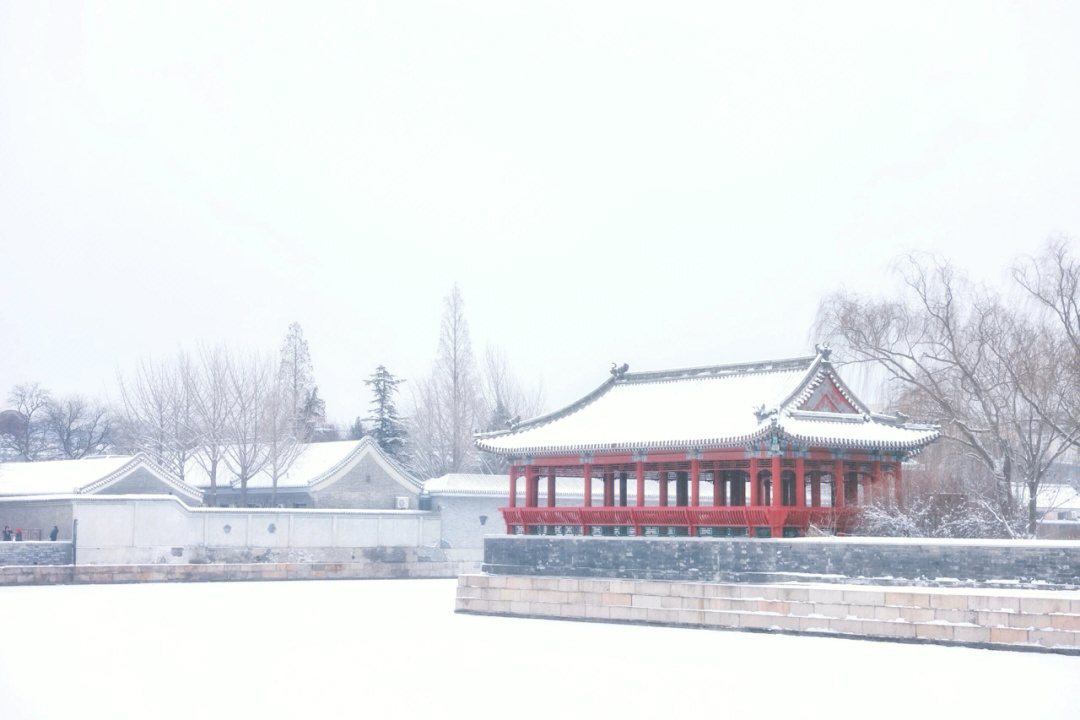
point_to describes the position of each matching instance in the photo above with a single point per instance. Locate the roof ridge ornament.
(823, 350)
(617, 371)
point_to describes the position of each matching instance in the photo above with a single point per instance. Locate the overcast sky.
(654, 185)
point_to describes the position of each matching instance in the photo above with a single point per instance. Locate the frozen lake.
(394, 648)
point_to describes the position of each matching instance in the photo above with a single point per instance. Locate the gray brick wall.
(35, 553)
(365, 486)
(826, 559)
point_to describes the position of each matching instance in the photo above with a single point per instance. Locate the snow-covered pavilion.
(772, 440)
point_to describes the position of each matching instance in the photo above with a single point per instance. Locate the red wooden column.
(717, 486)
(513, 485)
(800, 481)
(551, 488)
(695, 483)
(776, 515)
(838, 483)
(815, 490)
(754, 499)
(586, 475)
(639, 468)
(531, 491)
(609, 488)
(661, 477)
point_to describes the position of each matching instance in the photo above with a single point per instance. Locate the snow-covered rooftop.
(802, 400)
(86, 475)
(316, 463)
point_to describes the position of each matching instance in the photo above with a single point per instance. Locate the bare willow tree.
(27, 431)
(955, 354)
(448, 404)
(79, 426)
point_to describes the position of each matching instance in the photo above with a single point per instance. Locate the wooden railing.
(748, 517)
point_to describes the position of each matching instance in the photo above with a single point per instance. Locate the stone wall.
(1016, 619)
(35, 553)
(1018, 563)
(26, 575)
(367, 485)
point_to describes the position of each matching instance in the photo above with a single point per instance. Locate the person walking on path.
(54, 533)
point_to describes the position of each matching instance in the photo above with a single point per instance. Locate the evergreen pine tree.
(387, 428)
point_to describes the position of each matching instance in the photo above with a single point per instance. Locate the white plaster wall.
(156, 528)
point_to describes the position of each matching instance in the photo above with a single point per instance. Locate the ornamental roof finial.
(617, 371)
(823, 350)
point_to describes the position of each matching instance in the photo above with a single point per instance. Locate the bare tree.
(27, 430)
(296, 375)
(159, 412)
(955, 354)
(448, 405)
(79, 426)
(250, 379)
(283, 446)
(209, 389)
(506, 400)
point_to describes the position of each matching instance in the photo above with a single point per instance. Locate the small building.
(766, 449)
(98, 475)
(26, 488)
(344, 474)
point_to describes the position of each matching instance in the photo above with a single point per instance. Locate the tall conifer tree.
(386, 428)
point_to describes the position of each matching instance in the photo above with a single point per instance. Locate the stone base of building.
(66, 575)
(1019, 620)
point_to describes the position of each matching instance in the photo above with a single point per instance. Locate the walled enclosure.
(1013, 563)
(161, 529)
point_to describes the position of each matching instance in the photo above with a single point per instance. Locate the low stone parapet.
(1029, 619)
(878, 561)
(65, 575)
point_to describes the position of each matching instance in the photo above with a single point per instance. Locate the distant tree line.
(218, 409)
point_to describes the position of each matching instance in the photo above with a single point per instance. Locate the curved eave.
(856, 443)
(763, 432)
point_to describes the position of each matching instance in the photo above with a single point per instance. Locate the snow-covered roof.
(492, 485)
(83, 476)
(317, 464)
(802, 400)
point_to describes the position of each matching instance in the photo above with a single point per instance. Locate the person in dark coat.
(7, 533)
(54, 533)
(18, 534)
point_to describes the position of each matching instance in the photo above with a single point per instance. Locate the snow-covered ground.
(395, 649)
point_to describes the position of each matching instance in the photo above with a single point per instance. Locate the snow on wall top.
(715, 406)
